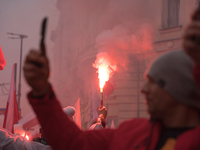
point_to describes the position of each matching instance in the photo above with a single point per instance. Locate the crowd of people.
(9, 141)
(172, 92)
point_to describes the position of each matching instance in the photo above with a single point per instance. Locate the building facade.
(76, 49)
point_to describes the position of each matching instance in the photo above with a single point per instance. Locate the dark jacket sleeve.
(196, 72)
(60, 132)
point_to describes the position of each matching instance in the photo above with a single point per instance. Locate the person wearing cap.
(172, 98)
(70, 112)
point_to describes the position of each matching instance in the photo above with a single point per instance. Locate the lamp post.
(21, 37)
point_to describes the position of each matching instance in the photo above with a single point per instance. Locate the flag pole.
(21, 37)
(15, 78)
(11, 113)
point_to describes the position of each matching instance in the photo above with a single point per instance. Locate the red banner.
(2, 60)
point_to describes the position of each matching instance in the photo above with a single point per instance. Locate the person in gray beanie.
(173, 73)
(172, 95)
(172, 98)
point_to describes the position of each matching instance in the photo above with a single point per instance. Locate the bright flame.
(27, 137)
(103, 76)
(106, 67)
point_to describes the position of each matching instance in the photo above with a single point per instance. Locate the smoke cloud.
(132, 32)
(90, 31)
(79, 33)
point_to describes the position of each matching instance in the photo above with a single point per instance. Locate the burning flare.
(106, 67)
(103, 76)
(27, 137)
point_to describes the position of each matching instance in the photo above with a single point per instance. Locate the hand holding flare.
(103, 77)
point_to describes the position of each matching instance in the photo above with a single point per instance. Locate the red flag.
(77, 117)
(11, 114)
(2, 60)
(108, 89)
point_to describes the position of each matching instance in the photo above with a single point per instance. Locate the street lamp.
(21, 37)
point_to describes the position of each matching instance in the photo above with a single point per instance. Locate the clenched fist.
(36, 72)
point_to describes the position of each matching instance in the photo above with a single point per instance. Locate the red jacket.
(196, 73)
(135, 134)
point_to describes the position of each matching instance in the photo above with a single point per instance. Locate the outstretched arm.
(60, 132)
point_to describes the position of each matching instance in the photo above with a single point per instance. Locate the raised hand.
(36, 72)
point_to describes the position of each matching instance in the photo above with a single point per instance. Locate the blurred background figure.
(100, 122)
(69, 111)
(9, 141)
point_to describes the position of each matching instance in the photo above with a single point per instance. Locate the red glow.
(103, 76)
(27, 137)
(106, 66)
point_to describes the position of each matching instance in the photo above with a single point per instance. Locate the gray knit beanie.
(173, 72)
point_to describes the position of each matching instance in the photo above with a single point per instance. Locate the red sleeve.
(196, 72)
(63, 134)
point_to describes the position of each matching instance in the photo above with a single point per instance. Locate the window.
(199, 3)
(170, 13)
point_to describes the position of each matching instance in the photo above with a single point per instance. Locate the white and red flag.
(112, 125)
(11, 114)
